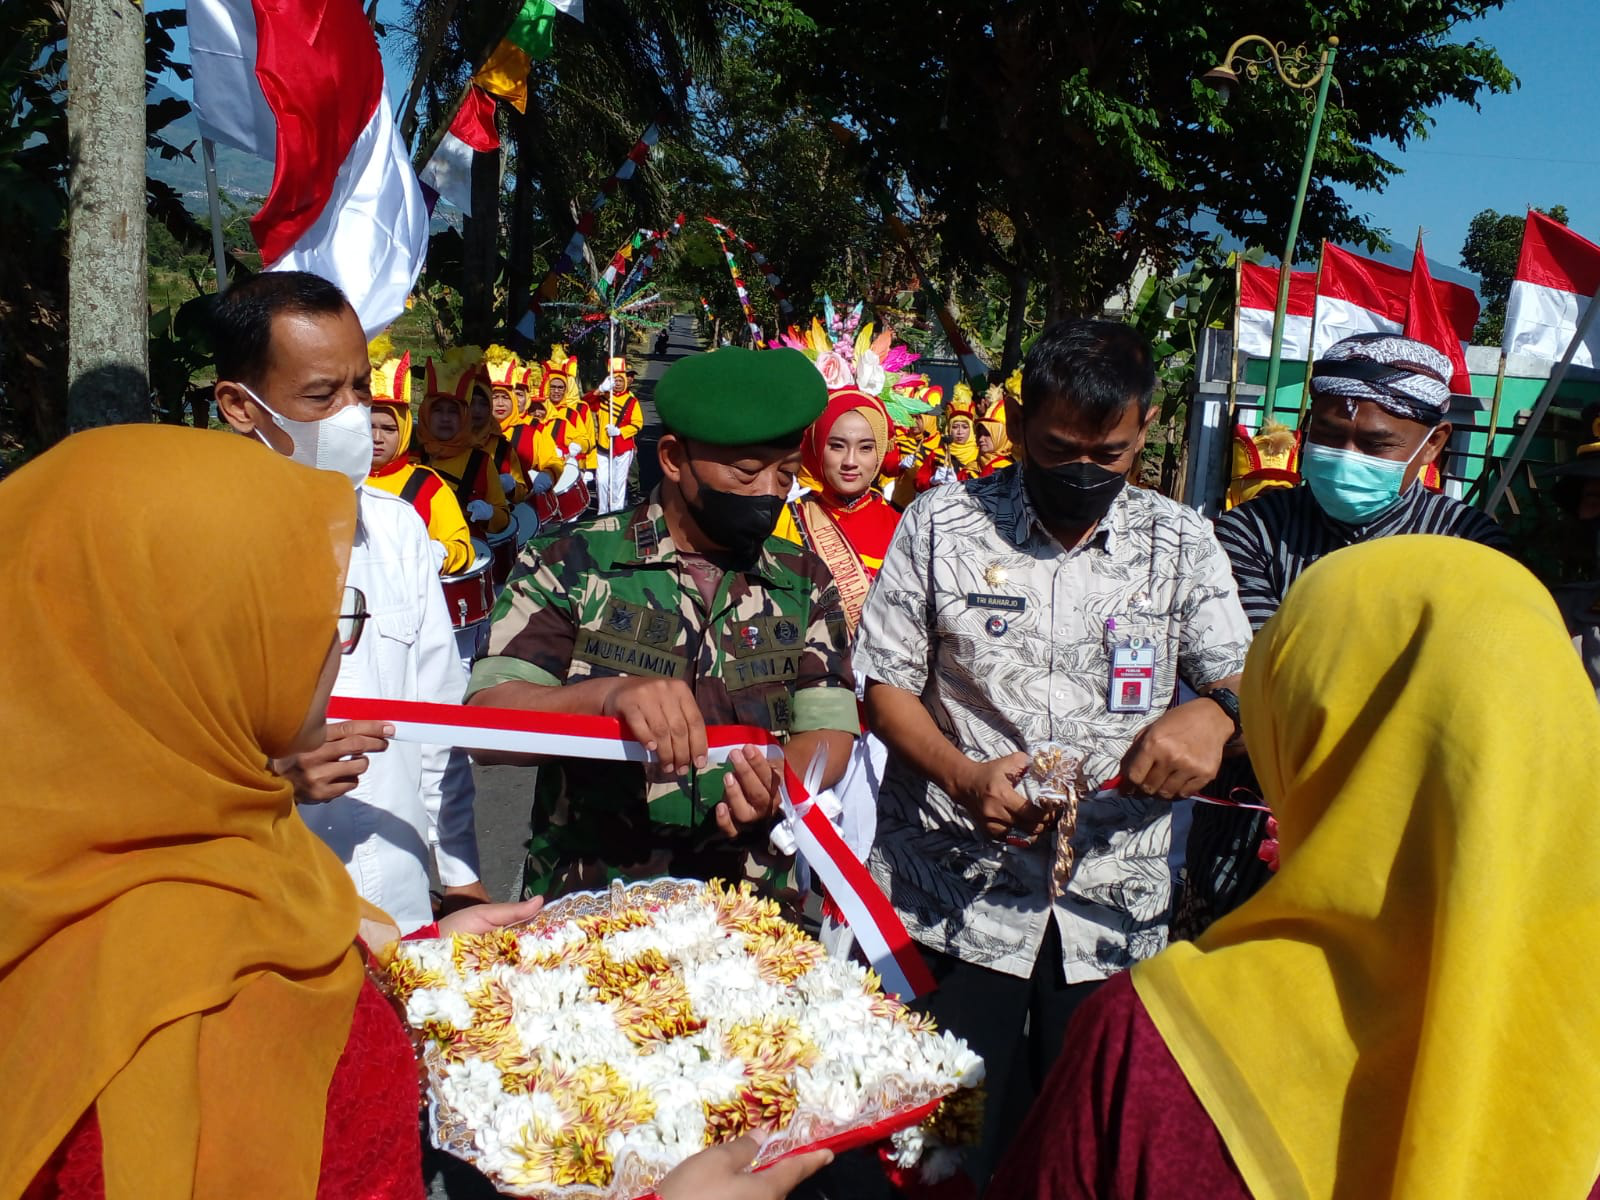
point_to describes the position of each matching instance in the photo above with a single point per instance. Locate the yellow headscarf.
(995, 426)
(391, 389)
(1410, 1008)
(176, 947)
(437, 449)
(961, 408)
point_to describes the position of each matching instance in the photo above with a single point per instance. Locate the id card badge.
(1133, 676)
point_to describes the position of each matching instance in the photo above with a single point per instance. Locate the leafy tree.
(1493, 243)
(1068, 143)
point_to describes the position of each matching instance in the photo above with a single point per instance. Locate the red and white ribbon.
(866, 910)
(872, 919)
(517, 731)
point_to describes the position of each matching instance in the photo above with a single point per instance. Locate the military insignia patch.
(786, 631)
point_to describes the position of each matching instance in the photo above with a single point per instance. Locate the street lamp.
(1293, 67)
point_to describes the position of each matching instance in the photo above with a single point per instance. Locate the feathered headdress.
(850, 356)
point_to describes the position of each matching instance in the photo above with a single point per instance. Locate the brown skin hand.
(662, 713)
(1376, 432)
(317, 364)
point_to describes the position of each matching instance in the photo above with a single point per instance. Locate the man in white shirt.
(292, 370)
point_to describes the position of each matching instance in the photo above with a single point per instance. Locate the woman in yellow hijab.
(180, 979)
(1409, 1009)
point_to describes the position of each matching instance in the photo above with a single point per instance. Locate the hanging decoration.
(785, 309)
(738, 285)
(573, 254)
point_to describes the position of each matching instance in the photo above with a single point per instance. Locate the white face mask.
(342, 442)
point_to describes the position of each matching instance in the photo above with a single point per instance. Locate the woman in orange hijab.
(180, 972)
(843, 519)
(179, 948)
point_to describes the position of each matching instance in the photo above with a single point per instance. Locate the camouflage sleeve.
(533, 625)
(825, 689)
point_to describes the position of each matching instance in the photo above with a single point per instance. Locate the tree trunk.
(519, 236)
(480, 251)
(1016, 322)
(108, 318)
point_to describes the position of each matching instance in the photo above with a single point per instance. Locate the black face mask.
(1075, 494)
(739, 524)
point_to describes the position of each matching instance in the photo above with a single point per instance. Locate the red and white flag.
(449, 171)
(1427, 322)
(1558, 273)
(1362, 295)
(1258, 303)
(300, 83)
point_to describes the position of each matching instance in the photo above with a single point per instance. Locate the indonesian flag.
(300, 83)
(1258, 303)
(1558, 272)
(449, 171)
(1426, 322)
(1363, 295)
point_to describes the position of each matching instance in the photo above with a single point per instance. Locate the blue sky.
(1533, 146)
(1529, 147)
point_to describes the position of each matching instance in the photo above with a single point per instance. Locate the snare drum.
(502, 554)
(527, 523)
(564, 502)
(470, 595)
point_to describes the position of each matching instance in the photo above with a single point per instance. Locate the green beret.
(739, 397)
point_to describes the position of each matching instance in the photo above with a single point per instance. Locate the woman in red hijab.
(843, 519)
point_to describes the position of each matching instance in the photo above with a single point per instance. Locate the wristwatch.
(1228, 703)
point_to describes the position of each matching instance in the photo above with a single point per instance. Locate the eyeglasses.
(353, 616)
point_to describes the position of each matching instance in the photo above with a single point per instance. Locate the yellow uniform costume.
(467, 469)
(419, 486)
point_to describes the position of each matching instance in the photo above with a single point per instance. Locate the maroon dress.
(1117, 1119)
(371, 1149)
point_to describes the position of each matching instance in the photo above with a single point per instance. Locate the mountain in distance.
(242, 176)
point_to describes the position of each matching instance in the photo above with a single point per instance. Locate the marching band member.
(418, 486)
(957, 458)
(994, 447)
(490, 408)
(622, 420)
(448, 445)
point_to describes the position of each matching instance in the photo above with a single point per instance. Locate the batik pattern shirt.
(1007, 639)
(614, 597)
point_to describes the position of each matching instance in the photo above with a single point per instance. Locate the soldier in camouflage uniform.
(681, 613)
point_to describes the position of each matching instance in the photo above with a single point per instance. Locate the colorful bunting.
(573, 254)
(530, 39)
(738, 284)
(767, 273)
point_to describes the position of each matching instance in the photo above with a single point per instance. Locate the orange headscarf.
(846, 400)
(439, 450)
(177, 949)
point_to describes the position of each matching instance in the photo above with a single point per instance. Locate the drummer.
(393, 472)
(682, 612)
(563, 399)
(447, 444)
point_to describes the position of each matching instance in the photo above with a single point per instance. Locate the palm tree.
(625, 64)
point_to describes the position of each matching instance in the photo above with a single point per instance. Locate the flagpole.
(1541, 406)
(1316, 294)
(1287, 264)
(219, 249)
(1233, 350)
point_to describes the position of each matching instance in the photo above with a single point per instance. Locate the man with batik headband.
(619, 419)
(1377, 421)
(681, 613)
